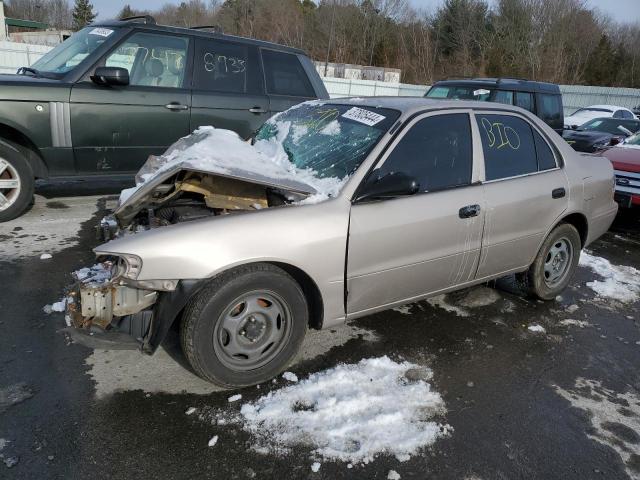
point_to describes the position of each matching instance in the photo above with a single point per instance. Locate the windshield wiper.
(25, 70)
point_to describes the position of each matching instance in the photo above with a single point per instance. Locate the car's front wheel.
(555, 263)
(16, 182)
(245, 326)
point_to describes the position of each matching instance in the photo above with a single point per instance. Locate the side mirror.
(116, 76)
(392, 185)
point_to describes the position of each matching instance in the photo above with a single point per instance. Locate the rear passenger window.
(508, 145)
(436, 151)
(285, 75)
(546, 158)
(524, 100)
(220, 66)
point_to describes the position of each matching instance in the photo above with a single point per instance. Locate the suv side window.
(525, 100)
(221, 66)
(152, 59)
(618, 114)
(436, 151)
(503, 96)
(550, 110)
(285, 75)
(508, 146)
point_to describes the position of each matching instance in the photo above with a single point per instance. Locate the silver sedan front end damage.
(105, 304)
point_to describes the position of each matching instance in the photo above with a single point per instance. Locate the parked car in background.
(626, 164)
(583, 115)
(339, 209)
(114, 93)
(600, 133)
(540, 98)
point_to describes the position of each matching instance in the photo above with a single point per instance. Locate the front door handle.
(469, 211)
(558, 193)
(176, 106)
(257, 110)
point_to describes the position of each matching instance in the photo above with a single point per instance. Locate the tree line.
(561, 41)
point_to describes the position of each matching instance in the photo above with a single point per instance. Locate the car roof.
(515, 84)
(411, 105)
(153, 27)
(608, 107)
(611, 119)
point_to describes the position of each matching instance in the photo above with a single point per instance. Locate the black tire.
(537, 281)
(16, 168)
(203, 331)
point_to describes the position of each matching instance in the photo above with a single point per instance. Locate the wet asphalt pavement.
(515, 398)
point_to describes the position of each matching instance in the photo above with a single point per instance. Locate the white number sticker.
(363, 116)
(103, 32)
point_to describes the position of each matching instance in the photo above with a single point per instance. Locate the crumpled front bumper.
(109, 311)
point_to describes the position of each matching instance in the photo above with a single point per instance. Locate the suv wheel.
(16, 183)
(555, 263)
(245, 326)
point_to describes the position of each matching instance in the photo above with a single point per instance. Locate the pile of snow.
(290, 376)
(213, 441)
(55, 307)
(46, 256)
(225, 152)
(620, 282)
(315, 467)
(350, 413)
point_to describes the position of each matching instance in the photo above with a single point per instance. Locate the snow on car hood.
(223, 152)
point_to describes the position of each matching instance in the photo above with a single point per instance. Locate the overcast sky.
(622, 10)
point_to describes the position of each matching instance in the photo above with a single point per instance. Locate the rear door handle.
(176, 106)
(257, 110)
(469, 211)
(558, 193)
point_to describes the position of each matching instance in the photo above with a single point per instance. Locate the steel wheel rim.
(557, 262)
(10, 185)
(252, 330)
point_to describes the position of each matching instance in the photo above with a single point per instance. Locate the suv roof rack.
(148, 19)
(215, 28)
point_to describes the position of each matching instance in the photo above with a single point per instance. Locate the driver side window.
(152, 60)
(437, 152)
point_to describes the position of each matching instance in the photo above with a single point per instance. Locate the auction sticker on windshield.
(103, 32)
(363, 116)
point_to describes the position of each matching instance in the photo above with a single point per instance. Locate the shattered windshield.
(331, 140)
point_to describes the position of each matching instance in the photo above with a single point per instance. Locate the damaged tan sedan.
(336, 210)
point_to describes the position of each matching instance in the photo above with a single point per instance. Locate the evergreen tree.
(82, 14)
(126, 12)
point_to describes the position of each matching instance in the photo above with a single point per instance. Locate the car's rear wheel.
(245, 326)
(16, 183)
(555, 264)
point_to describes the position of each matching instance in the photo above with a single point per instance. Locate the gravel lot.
(530, 390)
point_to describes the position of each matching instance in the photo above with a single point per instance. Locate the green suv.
(114, 93)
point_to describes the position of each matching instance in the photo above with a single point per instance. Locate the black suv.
(540, 98)
(114, 93)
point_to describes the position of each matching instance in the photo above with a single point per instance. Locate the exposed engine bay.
(191, 195)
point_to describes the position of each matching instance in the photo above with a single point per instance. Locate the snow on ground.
(570, 322)
(315, 467)
(535, 328)
(234, 398)
(393, 475)
(441, 302)
(350, 413)
(621, 283)
(404, 309)
(614, 417)
(46, 256)
(290, 376)
(44, 230)
(213, 441)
